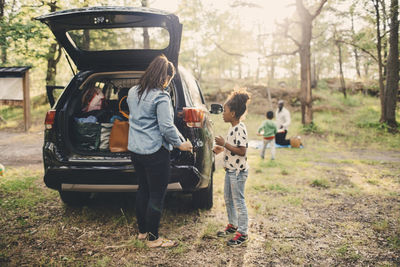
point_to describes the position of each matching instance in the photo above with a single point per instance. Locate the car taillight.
(194, 117)
(50, 116)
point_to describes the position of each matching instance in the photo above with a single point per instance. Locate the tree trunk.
(3, 36)
(52, 58)
(258, 71)
(306, 20)
(314, 77)
(52, 63)
(86, 40)
(384, 39)
(239, 69)
(271, 71)
(305, 66)
(355, 51)
(392, 82)
(366, 69)
(2, 6)
(379, 52)
(342, 82)
(146, 37)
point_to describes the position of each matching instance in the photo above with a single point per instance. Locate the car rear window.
(192, 91)
(155, 38)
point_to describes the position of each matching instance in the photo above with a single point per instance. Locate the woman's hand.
(186, 146)
(219, 140)
(218, 149)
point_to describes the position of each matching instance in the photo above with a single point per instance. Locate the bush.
(311, 129)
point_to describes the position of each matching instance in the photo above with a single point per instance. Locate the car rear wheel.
(74, 198)
(203, 199)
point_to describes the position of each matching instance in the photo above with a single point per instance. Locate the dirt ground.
(328, 209)
(11, 152)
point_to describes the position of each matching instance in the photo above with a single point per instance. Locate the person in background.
(268, 131)
(282, 123)
(152, 135)
(236, 167)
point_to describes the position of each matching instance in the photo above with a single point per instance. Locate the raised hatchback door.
(103, 38)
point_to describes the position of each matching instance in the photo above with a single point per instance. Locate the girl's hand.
(259, 134)
(186, 146)
(218, 149)
(219, 140)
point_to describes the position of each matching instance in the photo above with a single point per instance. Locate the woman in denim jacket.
(152, 135)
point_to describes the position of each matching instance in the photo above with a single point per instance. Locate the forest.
(355, 42)
(333, 201)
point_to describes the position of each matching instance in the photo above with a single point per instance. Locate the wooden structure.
(14, 90)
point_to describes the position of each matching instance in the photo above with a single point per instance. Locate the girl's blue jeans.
(234, 199)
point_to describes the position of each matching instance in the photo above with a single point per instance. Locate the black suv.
(111, 47)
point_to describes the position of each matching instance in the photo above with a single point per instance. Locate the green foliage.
(380, 226)
(395, 241)
(21, 191)
(278, 187)
(350, 102)
(320, 183)
(323, 85)
(348, 253)
(9, 186)
(311, 128)
(369, 118)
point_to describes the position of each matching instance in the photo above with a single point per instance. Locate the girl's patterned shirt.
(237, 136)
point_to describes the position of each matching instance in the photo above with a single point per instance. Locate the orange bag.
(119, 133)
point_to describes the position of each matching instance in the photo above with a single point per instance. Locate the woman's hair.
(237, 102)
(156, 75)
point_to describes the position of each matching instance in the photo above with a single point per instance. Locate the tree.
(54, 53)
(146, 37)
(392, 81)
(2, 35)
(306, 19)
(338, 44)
(379, 53)
(353, 38)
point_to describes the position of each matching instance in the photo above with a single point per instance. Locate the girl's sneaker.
(238, 240)
(230, 229)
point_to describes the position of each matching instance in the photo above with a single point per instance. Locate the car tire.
(76, 199)
(203, 198)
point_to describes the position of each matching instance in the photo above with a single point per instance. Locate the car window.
(171, 91)
(188, 99)
(192, 90)
(154, 38)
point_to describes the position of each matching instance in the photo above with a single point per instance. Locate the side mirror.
(216, 108)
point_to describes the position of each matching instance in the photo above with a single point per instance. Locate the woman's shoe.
(142, 236)
(161, 243)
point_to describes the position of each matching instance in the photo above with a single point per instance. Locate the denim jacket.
(151, 122)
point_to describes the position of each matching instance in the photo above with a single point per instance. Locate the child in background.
(236, 167)
(268, 130)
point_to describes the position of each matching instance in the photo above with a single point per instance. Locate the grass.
(321, 183)
(348, 253)
(380, 226)
(325, 204)
(14, 116)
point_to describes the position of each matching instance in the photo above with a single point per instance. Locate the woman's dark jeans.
(153, 172)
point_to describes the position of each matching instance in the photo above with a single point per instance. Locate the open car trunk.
(105, 37)
(93, 108)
